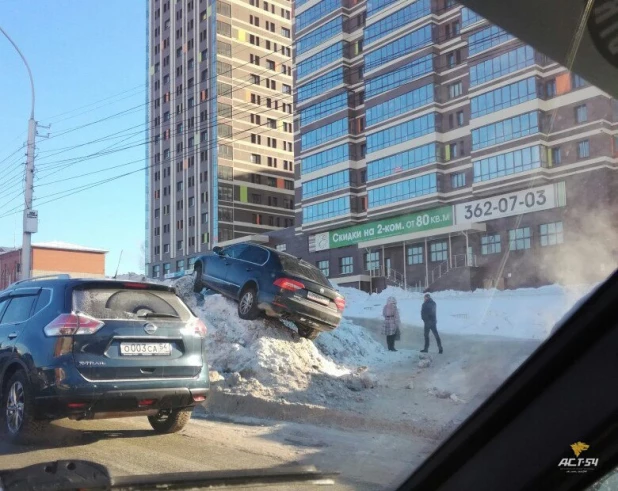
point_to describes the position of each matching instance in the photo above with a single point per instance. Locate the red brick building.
(53, 258)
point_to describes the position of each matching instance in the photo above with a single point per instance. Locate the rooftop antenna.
(118, 267)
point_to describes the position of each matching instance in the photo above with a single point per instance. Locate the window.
(501, 65)
(270, 64)
(372, 261)
(19, 309)
(505, 130)
(508, 163)
(414, 128)
(326, 184)
(581, 114)
(321, 84)
(487, 38)
(519, 239)
(399, 162)
(324, 266)
(578, 81)
(254, 59)
(253, 254)
(326, 209)
(415, 255)
(458, 180)
(224, 29)
(286, 89)
(166, 248)
(191, 201)
(346, 265)
(460, 118)
(255, 79)
(507, 96)
(254, 20)
(551, 234)
(583, 149)
(400, 47)
(400, 104)
(285, 32)
(319, 60)
(490, 244)
(455, 90)
(550, 88)
(397, 20)
(453, 58)
(326, 158)
(556, 156)
(438, 251)
(256, 159)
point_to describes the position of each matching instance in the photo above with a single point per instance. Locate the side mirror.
(218, 250)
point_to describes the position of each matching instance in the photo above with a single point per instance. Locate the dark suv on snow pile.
(265, 280)
(93, 348)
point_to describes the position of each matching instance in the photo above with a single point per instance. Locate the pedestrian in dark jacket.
(428, 314)
(391, 322)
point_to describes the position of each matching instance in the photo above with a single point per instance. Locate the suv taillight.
(199, 327)
(288, 284)
(340, 303)
(73, 324)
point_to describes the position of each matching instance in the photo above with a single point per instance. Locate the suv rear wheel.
(247, 304)
(308, 332)
(170, 421)
(18, 421)
(198, 286)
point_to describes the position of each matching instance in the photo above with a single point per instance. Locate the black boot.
(440, 352)
(424, 350)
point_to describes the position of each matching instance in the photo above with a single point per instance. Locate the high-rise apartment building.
(433, 149)
(220, 126)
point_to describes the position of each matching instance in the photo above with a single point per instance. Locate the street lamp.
(30, 215)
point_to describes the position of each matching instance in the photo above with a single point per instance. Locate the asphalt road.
(128, 446)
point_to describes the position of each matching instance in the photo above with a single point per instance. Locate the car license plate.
(145, 349)
(318, 298)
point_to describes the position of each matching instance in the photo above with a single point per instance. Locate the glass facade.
(469, 17)
(374, 6)
(501, 65)
(326, 184)
(317, 61)
(316, 12)
(403, 190)
(324, 133)
(398, 77)
(410, 159)
(324, 108)
(487, 38)
(320, 85)
(551, 234)
(402, 132)
(508, 163)
(319, 35)
(503, 131)
(507, 96)
(398, 48)
(326, 209)
(401, 104)
(397, 20)
(329, 157)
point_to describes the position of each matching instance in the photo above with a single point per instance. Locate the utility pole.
(30, 215)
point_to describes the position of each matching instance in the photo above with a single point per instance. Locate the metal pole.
(450, 252)
(405, 267)
(383, 263)
(468, 257)
(26, 250)
(426, 265)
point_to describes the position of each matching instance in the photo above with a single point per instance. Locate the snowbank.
(524, 313)
(265, 359)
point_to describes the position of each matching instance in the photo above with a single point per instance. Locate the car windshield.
(298, 267)
(129, 304)
(452, 178)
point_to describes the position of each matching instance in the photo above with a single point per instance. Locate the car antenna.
(118, 267)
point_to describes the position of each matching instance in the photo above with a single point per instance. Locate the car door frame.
(223, 284)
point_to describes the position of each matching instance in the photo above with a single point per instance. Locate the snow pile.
(265, 359)
(524, 313)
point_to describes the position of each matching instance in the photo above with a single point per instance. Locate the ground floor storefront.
(526, 238)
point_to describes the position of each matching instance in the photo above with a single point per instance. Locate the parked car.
(95, 348)
(264, 280)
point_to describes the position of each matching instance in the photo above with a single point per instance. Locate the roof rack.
(61, 276)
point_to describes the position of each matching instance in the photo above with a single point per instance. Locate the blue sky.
(88, 60)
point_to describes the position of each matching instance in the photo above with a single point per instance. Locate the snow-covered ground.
(349, 370)
(526, 313)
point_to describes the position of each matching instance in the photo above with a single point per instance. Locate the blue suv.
(266, 281)
(94, 348)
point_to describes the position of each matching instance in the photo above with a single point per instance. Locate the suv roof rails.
(61, 276)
